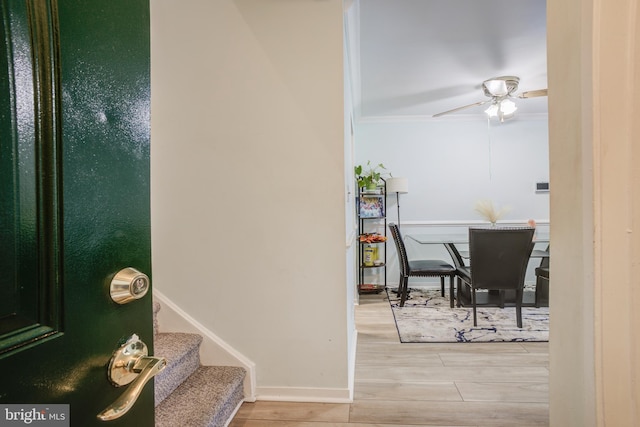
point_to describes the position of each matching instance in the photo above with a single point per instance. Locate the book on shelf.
(371, 207)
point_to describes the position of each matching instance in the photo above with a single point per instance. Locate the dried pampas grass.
(489, 212)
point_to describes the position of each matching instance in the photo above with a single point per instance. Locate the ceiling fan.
(500, 90)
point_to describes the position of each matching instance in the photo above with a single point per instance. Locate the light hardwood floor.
(465, 384)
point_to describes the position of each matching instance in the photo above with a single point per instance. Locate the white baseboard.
(303, 394)
(352, 365)
(213, 350)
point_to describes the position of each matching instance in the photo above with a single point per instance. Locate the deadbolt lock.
(128, 285)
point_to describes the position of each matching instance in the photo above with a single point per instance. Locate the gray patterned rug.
(427, 317)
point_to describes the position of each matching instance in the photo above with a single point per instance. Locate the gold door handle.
(130, 364)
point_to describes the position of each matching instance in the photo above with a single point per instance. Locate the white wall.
(349, 189)
(451, 164)
(248, 204)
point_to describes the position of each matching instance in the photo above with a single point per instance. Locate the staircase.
(188, 394)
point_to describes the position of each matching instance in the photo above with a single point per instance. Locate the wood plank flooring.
(401, 385)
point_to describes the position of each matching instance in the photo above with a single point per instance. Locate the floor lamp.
(397, 185)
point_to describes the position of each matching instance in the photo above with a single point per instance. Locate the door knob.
(130, 364)
(128, 285)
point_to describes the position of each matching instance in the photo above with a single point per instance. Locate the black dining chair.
(499, 259)
(419, 268)
(542, 282)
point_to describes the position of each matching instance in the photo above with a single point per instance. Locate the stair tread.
(182, 351)
(156, 308)
(172, 345)
(207, 398)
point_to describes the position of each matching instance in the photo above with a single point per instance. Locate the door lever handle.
(147, 368)
(130, 364)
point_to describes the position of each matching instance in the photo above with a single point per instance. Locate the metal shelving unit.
(371, 207)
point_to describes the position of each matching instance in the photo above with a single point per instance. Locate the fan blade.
(460, 108)
(533, 93)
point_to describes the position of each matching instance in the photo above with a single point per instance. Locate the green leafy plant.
(370, 175)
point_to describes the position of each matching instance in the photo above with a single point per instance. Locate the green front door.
(74, 201)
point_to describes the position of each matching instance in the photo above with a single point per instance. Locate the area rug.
(427, 317)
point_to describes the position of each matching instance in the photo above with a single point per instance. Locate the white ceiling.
(422, 57)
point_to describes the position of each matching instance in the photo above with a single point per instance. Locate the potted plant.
(369, 177)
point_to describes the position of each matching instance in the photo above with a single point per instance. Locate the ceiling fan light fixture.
(492, 111)
(499, 90)
(496, 87)
(503, 109)
(508, 107)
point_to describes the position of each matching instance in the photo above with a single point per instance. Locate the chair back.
(403, 261)
(499, 256)
(544, 262)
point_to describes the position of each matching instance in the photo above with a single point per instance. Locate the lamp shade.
(397, 185)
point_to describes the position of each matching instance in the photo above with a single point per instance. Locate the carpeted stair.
(188, 394)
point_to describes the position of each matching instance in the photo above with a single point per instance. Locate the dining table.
(451, 241)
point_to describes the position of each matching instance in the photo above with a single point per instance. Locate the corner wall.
(571, 341)
(594, 69)
(248, 204)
